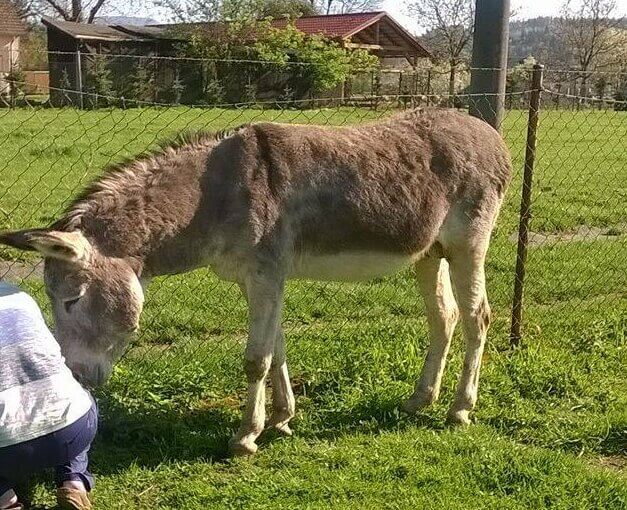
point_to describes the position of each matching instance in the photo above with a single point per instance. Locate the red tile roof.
(10, 22)
(344, 26)
(333, 25)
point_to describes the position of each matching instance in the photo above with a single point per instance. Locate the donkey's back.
(352, 203)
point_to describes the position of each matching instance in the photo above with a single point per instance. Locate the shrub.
(144, 87)
(214, 92)
(99, 83)
(15, 78)
(253, 56)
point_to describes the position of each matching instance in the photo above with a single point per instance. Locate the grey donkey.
(267, 202)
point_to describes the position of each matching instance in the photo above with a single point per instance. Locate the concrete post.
(489, 60)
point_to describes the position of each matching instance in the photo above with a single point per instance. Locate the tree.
(144, 87)
(80, 11)
(589, 29)
(34, 50)
(99, 81)
(344, 6)
(191, 10)
(215, 10)
(25, 8)
(450, 25)
(287, 8)
(327, 63)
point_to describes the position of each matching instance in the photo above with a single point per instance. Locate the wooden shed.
(72, 46)
(376, 32)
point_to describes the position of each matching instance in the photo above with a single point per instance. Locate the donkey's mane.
(136, 171)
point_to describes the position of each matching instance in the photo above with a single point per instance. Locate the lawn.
(551, 422)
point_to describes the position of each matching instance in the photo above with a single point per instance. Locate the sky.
(524, 9)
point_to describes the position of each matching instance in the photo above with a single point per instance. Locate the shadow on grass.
(148, 440)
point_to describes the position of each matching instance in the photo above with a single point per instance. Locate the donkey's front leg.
(264, 293)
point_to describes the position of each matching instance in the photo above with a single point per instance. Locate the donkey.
(267, 202)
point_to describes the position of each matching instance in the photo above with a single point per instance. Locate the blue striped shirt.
(38, 394)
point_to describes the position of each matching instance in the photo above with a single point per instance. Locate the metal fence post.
(79, 77)
(525, 204)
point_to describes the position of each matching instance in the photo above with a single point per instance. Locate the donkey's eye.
(69, 303)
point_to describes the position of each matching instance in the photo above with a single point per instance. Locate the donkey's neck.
(142, 210)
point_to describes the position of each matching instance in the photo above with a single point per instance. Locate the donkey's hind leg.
(283, 403)
(435, 286)
(468, 275)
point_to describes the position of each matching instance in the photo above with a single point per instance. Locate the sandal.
(72, 499)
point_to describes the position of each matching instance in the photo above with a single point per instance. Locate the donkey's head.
(96, 300)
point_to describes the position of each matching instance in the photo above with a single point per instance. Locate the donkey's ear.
(68, 246)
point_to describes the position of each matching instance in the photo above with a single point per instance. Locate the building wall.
(395, 63)
(37, 82)
(9, 55)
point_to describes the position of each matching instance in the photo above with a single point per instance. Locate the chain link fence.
(194, 325)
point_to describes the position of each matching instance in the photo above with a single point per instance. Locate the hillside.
(537, 37)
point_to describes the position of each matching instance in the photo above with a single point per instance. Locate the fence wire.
(577, 240)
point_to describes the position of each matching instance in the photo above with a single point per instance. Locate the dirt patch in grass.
(14, 271)
(613, 462)
(581, 233)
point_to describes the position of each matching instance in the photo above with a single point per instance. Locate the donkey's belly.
(349, 265)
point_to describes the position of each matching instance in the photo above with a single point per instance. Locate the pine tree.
(65, 86)
(99, 82)
(144, 82)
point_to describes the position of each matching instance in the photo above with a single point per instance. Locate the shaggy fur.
(268, 202)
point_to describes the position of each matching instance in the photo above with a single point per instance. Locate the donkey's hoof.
(242, 449)
(282, 429)
(458, 418)
(415, 403)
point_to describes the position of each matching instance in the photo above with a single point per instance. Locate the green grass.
(551, 417)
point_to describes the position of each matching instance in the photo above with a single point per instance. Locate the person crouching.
(47, 419)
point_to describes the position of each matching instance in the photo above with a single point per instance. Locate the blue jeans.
(65, 450)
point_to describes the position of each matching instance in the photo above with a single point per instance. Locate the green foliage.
(63, 95)
(99, 83)
(322, 63)
(518, 80)
(15, 78)
(144, 86)
(178, 87)
(214, 92)
(237, 10)
(250, 93)
(286, 8)
(306, 64)
(34, 50)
